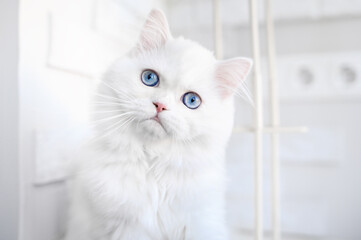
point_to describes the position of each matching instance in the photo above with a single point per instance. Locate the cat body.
(155, 170)
(142, 192)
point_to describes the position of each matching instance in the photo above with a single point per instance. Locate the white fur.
(139, 179)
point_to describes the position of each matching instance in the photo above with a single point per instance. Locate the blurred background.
(52, 52)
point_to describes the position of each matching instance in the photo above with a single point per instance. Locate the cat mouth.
(157, 119)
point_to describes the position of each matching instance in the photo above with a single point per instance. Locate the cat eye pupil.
(191, 100)
(149, 78)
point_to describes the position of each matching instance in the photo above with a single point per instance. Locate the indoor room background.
(52, 53)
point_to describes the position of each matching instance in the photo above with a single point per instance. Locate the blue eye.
(150, 78)
(192, 100)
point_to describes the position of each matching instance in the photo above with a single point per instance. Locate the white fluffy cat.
(155, 170)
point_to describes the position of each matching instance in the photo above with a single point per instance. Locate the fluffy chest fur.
(155, 193)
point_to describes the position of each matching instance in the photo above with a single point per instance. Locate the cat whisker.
(126, 126)
(116, 123)
(109, 99)
(108, 103)
(109, 111)
(117, 90)
(105, 96)
(107, 133)
(104, 123)
(112, 117)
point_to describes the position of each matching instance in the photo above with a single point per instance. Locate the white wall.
(9, 115)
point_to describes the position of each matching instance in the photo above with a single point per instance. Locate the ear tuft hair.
(231, 73)
(155, 31)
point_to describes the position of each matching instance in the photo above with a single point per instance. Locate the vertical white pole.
(275, 121)
(217, 28)
(258, 121)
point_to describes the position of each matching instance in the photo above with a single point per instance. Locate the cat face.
(169, 88)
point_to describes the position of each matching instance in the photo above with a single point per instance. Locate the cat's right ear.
(155, 31)
(231, 73)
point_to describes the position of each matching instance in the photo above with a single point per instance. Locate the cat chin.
(152, 130)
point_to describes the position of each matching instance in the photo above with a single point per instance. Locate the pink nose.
(159, 106)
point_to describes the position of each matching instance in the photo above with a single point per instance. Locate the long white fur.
(139, 180)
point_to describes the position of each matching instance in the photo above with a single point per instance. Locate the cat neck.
(136, 148)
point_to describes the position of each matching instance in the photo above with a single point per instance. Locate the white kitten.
(156, 168)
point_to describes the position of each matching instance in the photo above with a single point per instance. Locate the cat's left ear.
(155, 31)
(230, 73)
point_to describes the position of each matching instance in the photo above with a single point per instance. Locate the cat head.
(168, 89)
